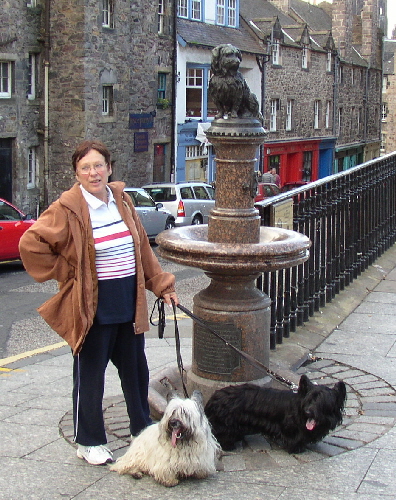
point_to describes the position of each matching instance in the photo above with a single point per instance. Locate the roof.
(201, 34)
(389, 57)
(315, 17)
(263, 10)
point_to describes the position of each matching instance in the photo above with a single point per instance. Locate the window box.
(163, 103)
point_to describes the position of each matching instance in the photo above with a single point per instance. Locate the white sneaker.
(95, 455)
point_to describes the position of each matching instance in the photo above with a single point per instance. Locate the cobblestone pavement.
(370, 412)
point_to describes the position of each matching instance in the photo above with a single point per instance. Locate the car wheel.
(170, 223)
(197, 220)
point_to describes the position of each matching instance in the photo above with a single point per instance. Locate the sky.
(391, 12)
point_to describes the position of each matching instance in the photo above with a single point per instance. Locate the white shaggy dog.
(180, 445)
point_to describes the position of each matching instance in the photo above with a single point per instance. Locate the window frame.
(108, 14)
(328, 115)
(384, 111)
(8, 78)
(329, 61)
(32, 66)
(340, 119)
(317, 106)
(190, 9)
(32, 168)
(305, 57)
(229, 14)
(107, 100)
(161, 14)
(205, 68)
(276, 52)
(289, 115)
(274, 108)
(161, 88)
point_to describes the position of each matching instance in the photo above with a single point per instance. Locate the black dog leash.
(250, 359)
(159, 304)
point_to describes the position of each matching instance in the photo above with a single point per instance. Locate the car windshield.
(141, 199)
(161, 194)
(8, 213)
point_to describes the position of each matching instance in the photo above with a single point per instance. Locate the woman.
(92, 242)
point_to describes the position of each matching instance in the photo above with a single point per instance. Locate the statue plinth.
(233, 250)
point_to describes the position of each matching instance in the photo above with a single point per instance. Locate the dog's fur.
(291, 419)
(228, 88)
(180, 445)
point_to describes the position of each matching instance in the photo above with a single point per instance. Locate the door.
(6, 169)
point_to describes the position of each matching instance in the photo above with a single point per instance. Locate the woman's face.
(92, 172)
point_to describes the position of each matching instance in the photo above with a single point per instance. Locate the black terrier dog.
(291, 419)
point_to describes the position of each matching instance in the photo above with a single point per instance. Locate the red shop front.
(294, 161)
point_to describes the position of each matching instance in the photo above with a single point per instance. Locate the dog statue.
(291, 419)
(227, 87)
(180, 445)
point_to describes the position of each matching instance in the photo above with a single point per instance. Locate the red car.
(265, 190)
(13, 223)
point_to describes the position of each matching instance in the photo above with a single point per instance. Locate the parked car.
(13, 223)
(189, 202)
(266, 190)
(288, 186)
(155, 218)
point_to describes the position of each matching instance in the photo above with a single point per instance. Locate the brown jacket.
(60, 246)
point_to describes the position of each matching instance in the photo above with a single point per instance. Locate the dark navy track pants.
(118, 343)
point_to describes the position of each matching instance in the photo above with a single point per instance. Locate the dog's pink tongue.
(174, 437)
(310, 425)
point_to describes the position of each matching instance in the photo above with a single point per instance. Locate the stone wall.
(290, 81)
(19, 116)
(84, 56)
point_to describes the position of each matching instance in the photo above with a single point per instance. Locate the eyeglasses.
(99, 167)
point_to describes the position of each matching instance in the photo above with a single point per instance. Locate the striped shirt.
(115, 252)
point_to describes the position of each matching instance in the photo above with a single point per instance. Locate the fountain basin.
(277, 249)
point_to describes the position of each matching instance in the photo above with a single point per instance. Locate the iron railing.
(350, 218)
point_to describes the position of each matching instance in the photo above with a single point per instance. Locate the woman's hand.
(167, 298)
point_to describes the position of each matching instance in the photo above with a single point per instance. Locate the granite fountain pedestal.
(233, 249)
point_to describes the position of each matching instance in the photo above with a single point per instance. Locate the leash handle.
(159, 304)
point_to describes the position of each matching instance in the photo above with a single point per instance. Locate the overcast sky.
(391, 12)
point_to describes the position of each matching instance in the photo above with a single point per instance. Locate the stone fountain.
(233, 249)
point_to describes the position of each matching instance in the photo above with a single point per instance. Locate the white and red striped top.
(115, 252)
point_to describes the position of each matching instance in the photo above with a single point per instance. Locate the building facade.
(135, 75)
(84, 69)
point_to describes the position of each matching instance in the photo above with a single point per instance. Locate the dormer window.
(329, 61)
(276, 52)
(190, 9)
(305, 57)
(227, 12)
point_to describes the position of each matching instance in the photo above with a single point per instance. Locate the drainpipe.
(174, 86)
(46, 93)
(261, 61)
(336, 129)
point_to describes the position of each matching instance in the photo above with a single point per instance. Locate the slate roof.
(389, 57)
(315, 17)
(264, 11)
(196, 33)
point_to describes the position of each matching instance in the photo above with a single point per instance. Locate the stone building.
(316, 72)
(388, 111)
(80, 69)
(322, 84)
(134, 74)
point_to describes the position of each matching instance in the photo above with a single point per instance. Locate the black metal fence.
(350, 219)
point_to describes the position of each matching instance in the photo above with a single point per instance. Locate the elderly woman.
(92, 242)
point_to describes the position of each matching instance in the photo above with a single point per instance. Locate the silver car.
(155, 218)
(189, 202)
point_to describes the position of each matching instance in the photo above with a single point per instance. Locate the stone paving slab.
(357, 430)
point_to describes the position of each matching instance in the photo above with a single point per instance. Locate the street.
(21, 327)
